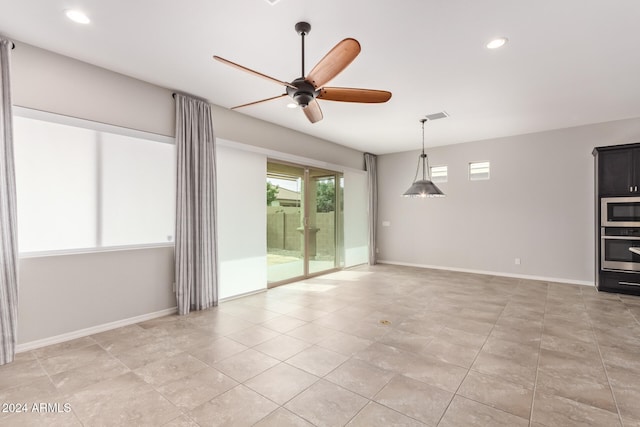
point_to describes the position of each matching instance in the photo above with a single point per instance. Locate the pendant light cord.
(424, 159)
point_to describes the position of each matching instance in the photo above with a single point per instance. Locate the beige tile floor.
(372, 346)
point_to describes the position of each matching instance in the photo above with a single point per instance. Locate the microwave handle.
(635, 250)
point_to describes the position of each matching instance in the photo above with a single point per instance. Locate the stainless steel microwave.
(620, 212)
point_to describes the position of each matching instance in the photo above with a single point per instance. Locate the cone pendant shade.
(423, 187)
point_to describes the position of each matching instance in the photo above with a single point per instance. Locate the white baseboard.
(31, 345)
(493, 273)
(246, 294)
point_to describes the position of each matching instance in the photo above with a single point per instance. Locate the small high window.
(478, 171)
(438, 173)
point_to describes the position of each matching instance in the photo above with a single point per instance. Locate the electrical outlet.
(174, 286)
(377, 250)
(517, 261)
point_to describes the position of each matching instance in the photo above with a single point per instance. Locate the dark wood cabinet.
(619, 171)
(619, 282)
(617, 174)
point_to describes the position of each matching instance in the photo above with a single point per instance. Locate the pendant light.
(423, 187)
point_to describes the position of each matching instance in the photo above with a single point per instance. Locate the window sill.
(81, 251)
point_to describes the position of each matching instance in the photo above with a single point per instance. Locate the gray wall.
(63, 294)
(538, 205)
(237, 127)
(46, 81)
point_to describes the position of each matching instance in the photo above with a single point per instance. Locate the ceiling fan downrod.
(305, 92)
(303, 29)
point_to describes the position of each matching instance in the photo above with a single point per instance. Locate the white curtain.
(196, 247)
(370, 165)
(8, 221)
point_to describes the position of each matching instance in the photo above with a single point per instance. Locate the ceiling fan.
(305, 91)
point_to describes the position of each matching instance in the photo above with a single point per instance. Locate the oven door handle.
(620, 237)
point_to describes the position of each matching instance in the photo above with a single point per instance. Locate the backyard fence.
(284, 232)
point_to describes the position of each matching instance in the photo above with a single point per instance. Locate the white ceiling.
(567, 63)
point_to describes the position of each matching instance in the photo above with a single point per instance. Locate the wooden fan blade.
(258, 102)
(334, 62)
(250, 71)
(313, 111)
(347, 94)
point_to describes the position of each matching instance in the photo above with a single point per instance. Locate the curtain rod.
(4, 38)
(190, 96)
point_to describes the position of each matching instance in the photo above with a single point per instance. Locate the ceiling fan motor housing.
(305, 92)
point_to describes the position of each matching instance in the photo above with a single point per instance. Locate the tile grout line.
(471, 365)
(463, 299)
(604, 366)
(370, 399)
(535, 381)
(494, 375)
(282, 406)
(636, 317)
(56, 388)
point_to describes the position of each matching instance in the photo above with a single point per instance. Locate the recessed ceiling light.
(292, 105)
(272, 2)
(77, 16)
(496, 43)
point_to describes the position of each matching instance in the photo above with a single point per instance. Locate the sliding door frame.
(304, 200)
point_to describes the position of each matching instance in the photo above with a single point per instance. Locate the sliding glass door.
(285, 220)
(322, 198)
(304, 222)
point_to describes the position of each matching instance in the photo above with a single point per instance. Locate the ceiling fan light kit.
(305, 91)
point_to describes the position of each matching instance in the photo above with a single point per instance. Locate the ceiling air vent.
(436, 116)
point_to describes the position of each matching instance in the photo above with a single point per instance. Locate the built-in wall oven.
(620, 233)
(620, 249)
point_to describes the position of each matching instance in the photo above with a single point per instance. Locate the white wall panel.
(355, 218)
(242, 221)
